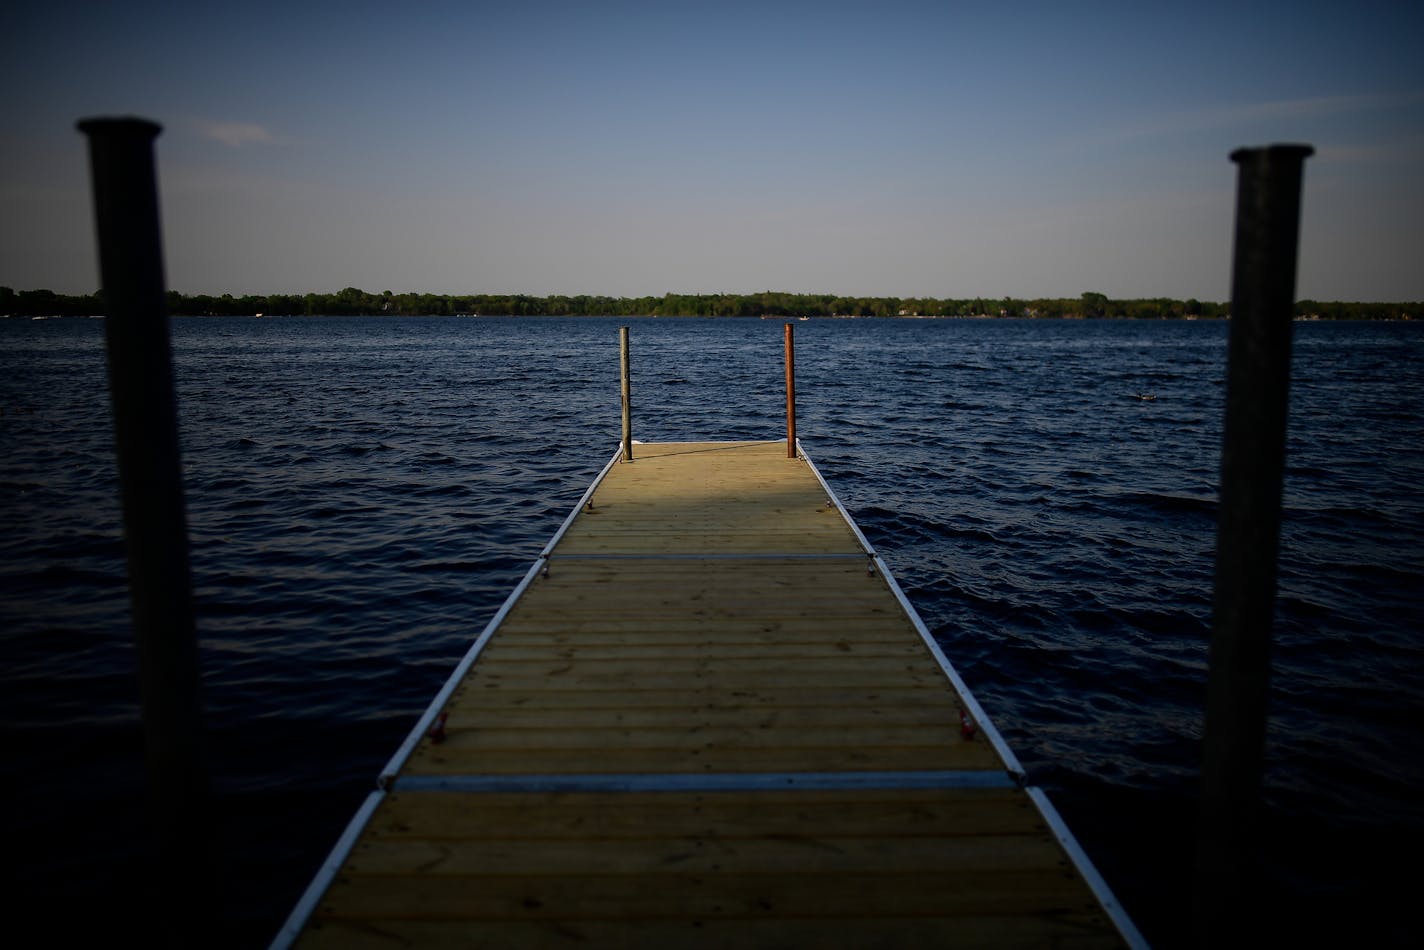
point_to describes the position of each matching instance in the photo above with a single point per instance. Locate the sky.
(948, 149)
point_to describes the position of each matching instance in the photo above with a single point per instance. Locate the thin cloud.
(1316, 107)
(1407, 151)
(1225, 117)
(237, 134)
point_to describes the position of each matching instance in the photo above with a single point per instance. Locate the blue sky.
(627, 148)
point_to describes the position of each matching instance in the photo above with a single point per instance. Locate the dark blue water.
(363, 493)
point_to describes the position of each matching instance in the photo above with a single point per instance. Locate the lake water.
(364, 492)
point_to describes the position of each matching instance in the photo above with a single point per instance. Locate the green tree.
(1094, 304)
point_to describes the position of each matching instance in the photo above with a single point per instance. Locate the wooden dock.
(707, 717)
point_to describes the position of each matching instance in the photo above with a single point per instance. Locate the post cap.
(1282, 151)
(119, 125)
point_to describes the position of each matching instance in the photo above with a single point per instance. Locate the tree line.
(352, 301)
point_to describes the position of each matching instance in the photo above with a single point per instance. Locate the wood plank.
(707, 651)
(892, 812)
(522, 651)
(711, 499)
(621, 715)
(667, 894)
(709, 618)
(769, 733)
(1071, 931)
(682, 760)
(613, 630)
(818, 853)
(749, 679)
(674, 600)
(794, 696)
(808, 668)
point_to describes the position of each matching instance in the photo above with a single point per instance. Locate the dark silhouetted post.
(790, 391)
(627, 387)
(155, 527)
(1248, 534)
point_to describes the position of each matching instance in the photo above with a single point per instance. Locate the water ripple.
(363, 494)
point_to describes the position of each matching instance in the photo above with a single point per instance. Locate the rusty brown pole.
(155, 526)
(1248, 537)
(790, 391)
(627, 389)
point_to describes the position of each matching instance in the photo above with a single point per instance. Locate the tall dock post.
(790, 391)
(155, 527)
(627, 390)
(1248, 536)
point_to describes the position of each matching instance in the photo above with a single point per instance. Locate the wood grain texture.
(709, 612)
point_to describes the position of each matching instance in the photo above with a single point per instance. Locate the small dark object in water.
(1146, 397)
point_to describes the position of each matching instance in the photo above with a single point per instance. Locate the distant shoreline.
(353, 302)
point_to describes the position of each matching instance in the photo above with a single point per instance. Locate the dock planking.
(707, 717)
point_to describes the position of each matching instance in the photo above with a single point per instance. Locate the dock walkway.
(707, 717)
